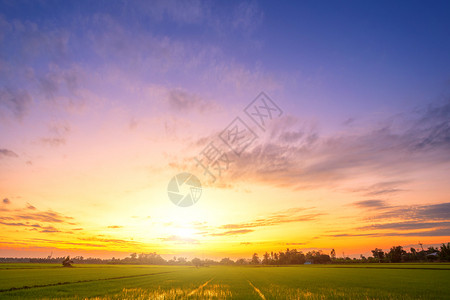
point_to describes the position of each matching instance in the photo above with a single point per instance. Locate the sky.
(340, 112)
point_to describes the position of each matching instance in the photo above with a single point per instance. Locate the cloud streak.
(16, 101)
(293, 154)
(183, 101)
(7, 153)
(47, 216)
(43, 229)
(292, 215)
(233, 232)
(179, 240)
(415, 220)
(374, 204)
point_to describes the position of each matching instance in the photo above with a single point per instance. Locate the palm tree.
(67, 262)
(445, 252)
(255, 259)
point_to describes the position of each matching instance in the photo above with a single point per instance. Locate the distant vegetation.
(289, 257)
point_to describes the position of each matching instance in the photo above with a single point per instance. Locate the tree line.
(396, 254)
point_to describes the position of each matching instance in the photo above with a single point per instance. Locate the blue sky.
(351, 56)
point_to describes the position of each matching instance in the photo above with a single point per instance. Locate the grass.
(375, 281)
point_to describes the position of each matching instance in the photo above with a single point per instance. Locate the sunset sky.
(102, 103)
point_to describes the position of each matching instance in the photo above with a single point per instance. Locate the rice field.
(375, 281)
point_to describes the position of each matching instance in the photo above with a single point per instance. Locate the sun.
(184, 232)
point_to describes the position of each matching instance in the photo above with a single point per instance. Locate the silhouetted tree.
(378, 254)
(396, 253)
(317, 257)
(266, 258)
(67, 262)
(276, 258)
(227, 261)
(255, 259)
(445, 252)
(196, 262)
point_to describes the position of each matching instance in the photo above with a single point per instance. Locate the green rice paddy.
(374, 281)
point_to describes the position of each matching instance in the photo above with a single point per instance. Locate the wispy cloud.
(401, 220)
(52, 242)
(373, 204)
(429, 212)
(440, 232)
(179, 240)
(38, 227)
(247, 16)
(54, 142)
(291, 215)
(293, 154)
(58, 82)
(46, 216)
(31, 207)
(105, 242)
(432, 129)
(15, 101)
(7, 153)
(407, 225)
(382, 188)
(49, 229)
(59, 128)
(31, 213)
(182, 12)
(232, 232)
(183, 101)
(244, 16)
(341, 235)
(273, 220)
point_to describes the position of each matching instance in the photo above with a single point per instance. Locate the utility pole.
(421, 246)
